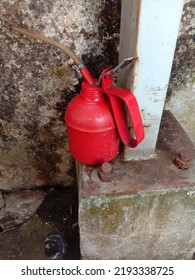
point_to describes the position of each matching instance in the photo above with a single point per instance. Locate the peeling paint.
(191, 193)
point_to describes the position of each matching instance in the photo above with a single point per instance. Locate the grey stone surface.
(19, 207)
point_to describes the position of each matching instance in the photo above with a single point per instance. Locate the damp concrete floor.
(51, 233)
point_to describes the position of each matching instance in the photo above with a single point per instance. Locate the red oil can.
(95, 118)
(96, 121)
(92, 133)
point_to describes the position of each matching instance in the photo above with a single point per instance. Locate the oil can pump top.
(95, 118)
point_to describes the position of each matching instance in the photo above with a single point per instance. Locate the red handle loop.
(117, 96)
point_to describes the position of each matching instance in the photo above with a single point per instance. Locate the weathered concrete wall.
(156, 225)
(181, 91)
(38, 81)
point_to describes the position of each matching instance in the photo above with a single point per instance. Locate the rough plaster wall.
(181, 91)
(38, 81)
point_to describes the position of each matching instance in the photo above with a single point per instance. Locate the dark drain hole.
(193, 257)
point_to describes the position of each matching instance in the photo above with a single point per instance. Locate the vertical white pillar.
(149, 30)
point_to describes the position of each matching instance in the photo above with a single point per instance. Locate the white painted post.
(149, 30)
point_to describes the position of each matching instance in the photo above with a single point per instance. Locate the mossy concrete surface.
(147, 211)
(153, 225)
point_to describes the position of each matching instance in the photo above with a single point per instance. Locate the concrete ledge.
(148, 211)
(140, 226)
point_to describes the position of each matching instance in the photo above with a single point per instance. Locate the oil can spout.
(86, 74)
(84, 71)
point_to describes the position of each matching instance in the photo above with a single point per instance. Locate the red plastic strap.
(117, 96)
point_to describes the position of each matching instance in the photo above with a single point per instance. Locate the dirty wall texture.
(38, 81)
(147, 226)
(181, 91)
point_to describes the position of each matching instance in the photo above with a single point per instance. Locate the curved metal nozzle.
(119, 67)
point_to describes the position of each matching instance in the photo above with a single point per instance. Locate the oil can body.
(92, 134)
